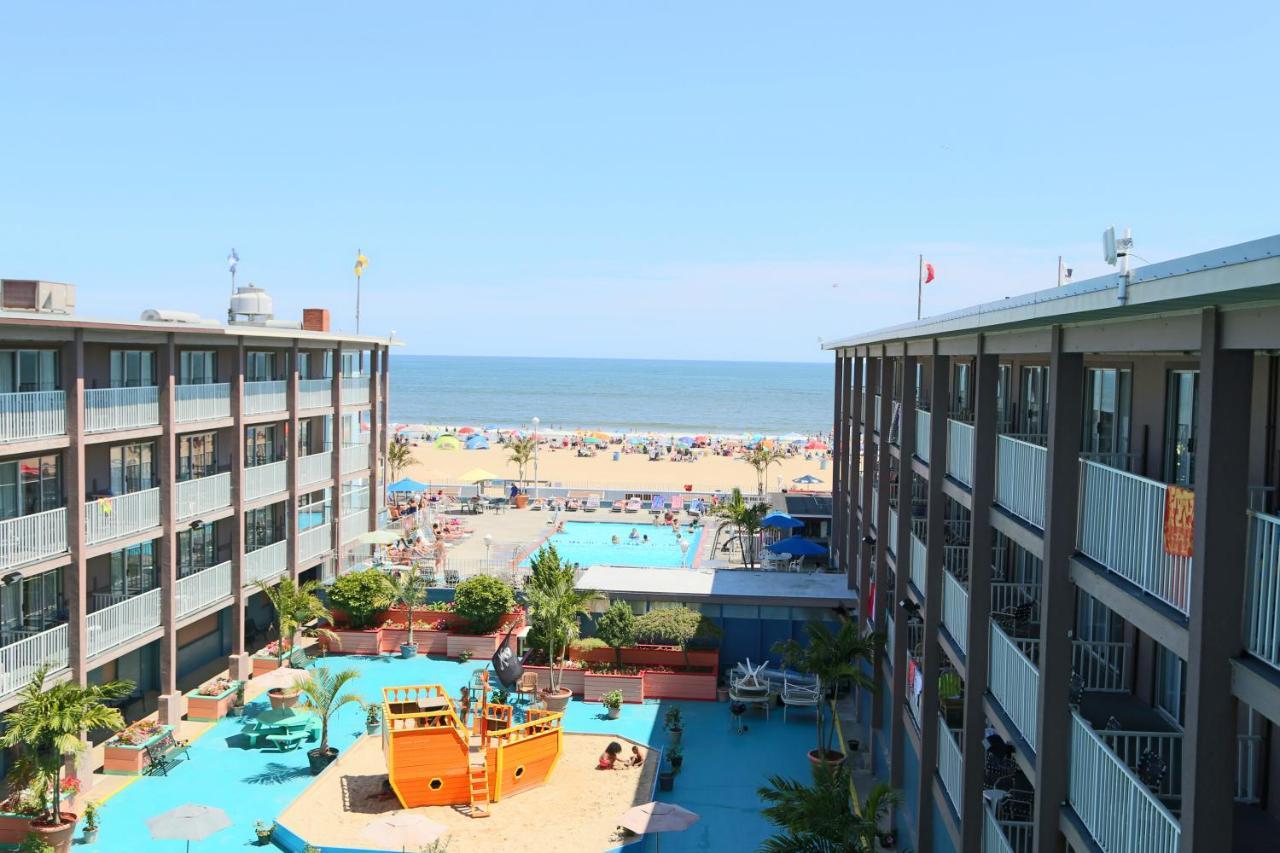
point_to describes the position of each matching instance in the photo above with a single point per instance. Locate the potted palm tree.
(410, 589)
(294, 607)
(747, 518)
(830, 655)
(554, 605)
(522, 450)
(322, 695)
(818, 817)
(48, 726)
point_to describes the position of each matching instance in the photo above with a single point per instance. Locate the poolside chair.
(618, 506)
(537, 503)
(527, 686)
(592, 503)
(451, 577)
(677, 503)
(799, 695)
(657, 504)
(633, 505)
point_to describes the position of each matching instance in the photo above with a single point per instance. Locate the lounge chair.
(451, 577)
(633, 505)
(537, 503)
(677, 503)
(572, 505)
(799, 695)
(592, 503)
(658, 504)
(619, 506)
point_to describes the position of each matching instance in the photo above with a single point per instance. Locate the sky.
(667, 180)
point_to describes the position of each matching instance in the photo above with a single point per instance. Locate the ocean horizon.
(615, 394)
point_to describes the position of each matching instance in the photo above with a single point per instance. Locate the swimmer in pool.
(616, 540)
(635, 534)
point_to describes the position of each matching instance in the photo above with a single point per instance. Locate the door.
(1106, 416)
(1183, 409)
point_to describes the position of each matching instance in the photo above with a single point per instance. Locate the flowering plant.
(216, 687)
(273, 648)
(140, 732)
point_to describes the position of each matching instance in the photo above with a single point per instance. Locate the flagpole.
(920, 288)
(359, 252)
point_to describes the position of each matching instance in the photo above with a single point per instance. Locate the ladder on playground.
(479, 789)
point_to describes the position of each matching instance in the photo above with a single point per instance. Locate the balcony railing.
(27, 415)
(263, 480)
(355, 457)
(353, 524)
(315, 468)
(263, 398)
(314, 541)
(1020, 477)
(888, 637)
(1262, 597)
(960, 451)
(355, 390)
(993, 838)
(875, 506)
(111, 518)
(955, 610)
(1103, 666)
(1006, 595)
(203, 589)
(950, 764)
(118, 624)
(1122, 527)
(919, 564)
(315, 393)
(875, 416)
(108, 409)
(1014, 682)
(20, 660)
(202, 495)
(1117, 809)
(265, 563)
(31, 538)
(923, 421)
(892, 542)
(202, 402)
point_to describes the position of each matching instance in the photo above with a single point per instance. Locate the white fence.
(261, 398)
(355, 390)
(107, 409)
(118, 624)
(29, 538)
(204, 494)
(263, 480)
(314, 541)
(202, 402)
(892, 542)
(25, 415)
(950, 764)
(1262, 596)
(875, 507)
(1006, 595)
(264, 563)
(1117, 809)
(20, 660)
(955, 610)
(919, 564)
(315, 393)
(1020, 478)
(353, 524)
(1122, 527)
(355, 457)
(1130, 746)
(960, 451)
(204, 588)
(315, 468)
(993, 837)
(123, 515)
(1103, 666)
(1015, 683)
(923, 427)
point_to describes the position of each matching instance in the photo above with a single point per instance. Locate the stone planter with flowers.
(212, 700)
(126, 753)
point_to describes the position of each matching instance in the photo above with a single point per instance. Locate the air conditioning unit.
(41, 297)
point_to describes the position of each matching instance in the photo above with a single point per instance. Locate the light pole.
(535, 457)
(488, 543)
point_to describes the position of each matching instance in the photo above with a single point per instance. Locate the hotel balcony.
(315, 468)
(1005, 836)
(315, 541)
(1020, 477)
(204, 588)
(950, 763)
(355, 390)
(955, 610)
(960, 451)
(110, 409)
(315, 393)
(194, 403)
(203, 495)
(264, 398)
(923, 426)
(20, 659)
(110, 518)
(1262, 593)
(117, 624)
(30, 415)
(261, 481)
(919, 561)
(266, 563)
(353, 524)
(355, 457)
(32, 538)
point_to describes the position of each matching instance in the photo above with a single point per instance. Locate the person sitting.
(609, 758)
(637, 759)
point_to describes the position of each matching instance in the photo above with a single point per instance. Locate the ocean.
(613, 394)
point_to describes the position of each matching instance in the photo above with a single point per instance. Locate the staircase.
(479, 789)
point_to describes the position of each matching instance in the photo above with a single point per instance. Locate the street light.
(535, 456)
(488, 543)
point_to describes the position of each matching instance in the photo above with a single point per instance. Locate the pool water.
(590, 543)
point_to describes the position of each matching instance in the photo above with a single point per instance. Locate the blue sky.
(633, 180)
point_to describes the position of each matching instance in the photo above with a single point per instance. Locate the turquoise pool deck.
(590, 543)
(718, 781)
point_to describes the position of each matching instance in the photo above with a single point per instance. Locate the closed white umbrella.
(192, 822)
(403, 831)
(657, 817)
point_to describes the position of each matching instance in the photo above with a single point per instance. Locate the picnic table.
(283, 727)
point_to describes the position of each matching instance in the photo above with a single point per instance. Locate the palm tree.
(761, 458)
(410, 589)
(554, 604)
(322, 695)
(295, 606)
(522, 450)
(49, 726)
(749, 518)
(399, 457)
(818, 818)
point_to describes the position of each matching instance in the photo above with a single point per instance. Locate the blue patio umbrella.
(798, 546)
(407, 484)
(807, 479)
(686, 440)
(782, 521)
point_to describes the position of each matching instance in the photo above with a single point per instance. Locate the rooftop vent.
(251, 306)
(168, 315)
(41, 297)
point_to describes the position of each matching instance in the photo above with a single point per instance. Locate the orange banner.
(1179, 520)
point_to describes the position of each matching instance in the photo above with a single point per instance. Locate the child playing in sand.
(637, 760)
(609, 758)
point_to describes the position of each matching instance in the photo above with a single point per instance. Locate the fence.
(315, 393)
(107, 409)
(118, 624)
(205, 587)
(950, 764)
(263, 480)
(955, 610)
(314, 541)
(266, 562)
(1020, 478)
(315, 468)
(355, 390)
(18, 661)
(29, 538)
(1014, 682)
(960, 451)
(25, 415)
(1262, 596)
(111, 518)
(923, 421)
(205, 494)
(201, 402)
(919, 564)
(993, 837)
(261, 398)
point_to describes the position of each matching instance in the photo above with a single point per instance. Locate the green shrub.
(617, 628)
(33, 843)
(588, 644)
(361, 595)
(482, 601)
(674, 626)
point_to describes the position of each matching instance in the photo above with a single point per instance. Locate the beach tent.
(477, 442)
(781, 520)
(448, 442)
(406, 484)
(816, 445)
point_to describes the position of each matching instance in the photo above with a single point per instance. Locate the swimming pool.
(591, 543)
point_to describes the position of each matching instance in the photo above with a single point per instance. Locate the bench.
(287, 742)
(162, 755)
(299, 659)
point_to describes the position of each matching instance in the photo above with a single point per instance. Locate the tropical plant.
(617, 628)
(818, 818)
(612, 699)
(48, 726)
(410, 589)
(91, 820)
(483, 600)
(399, 457)
(748, 519)
(33, 843)
(522, 450)
(555, 603)
(360, 595)
(294, 606)
(831, 655)
(675, 626)
(761, 458)
(322, 695)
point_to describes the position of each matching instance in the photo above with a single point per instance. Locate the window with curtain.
(29, 370)
(132, 468)
(197, 549)
(304, 365)
(260, 445)
(197, 455)
(131, 368)
(133, 569)
(197, 367)
(264, 526)
(259, 366)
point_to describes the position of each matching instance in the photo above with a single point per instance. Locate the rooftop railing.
(28, 415)
(109, 409)
(202, 402)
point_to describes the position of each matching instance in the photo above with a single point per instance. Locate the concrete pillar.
(879, 569)
(1217, 590)
(854, 478)
(1057, 593)
(75, 582)
(292, 450)
(336, 455)
(902, 553)
(866, 552)
(375, 431)
(171, 705)
(239, 663)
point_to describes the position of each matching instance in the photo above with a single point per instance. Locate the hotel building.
(1060, 509)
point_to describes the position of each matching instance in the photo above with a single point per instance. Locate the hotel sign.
(1179, 520)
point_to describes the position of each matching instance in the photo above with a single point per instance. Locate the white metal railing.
(1262, 595)
(955, 559)
(314, 541)
(315, 393)
(202, 402)
(118, 624)
(315, 468)
(355, 390)
(261, 398)
(919, 563)
(1015, 683)
(353, 524)
(875, 506)
(1103, 666)
(263, 480)
(203, 588)
(1131, 746)
(30, 538)
(20, 660)
(122, 515)
(355, 457)
(1249, 764)
(1006, 595)
(25, 415)
(1020, 478)
(1117, 809)
(950, 764)
(892, 543)
(955, 610)
(888, 637)
(264, 563)
(1121, 526)
(203, 494)
(960, 451)
(107, 409)
(875, 416)
(923, 422)
(993, 837)
(103, 600)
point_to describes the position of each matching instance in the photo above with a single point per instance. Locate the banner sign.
(1179, 520)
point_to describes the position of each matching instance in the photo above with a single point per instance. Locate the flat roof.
(808, 506)
(729, 586)
(1246, 272)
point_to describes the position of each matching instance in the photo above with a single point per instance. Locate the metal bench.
(287, 742)
(162, 755)
(299, 659)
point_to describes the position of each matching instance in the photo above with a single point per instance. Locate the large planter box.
(679, 685)
(481, 647)
(263, 664)
(14, 828)
(643, 656)
(570, 678)
(595, 685)
(119, 759)
(210, 709)
(452, 621)
(348, 642)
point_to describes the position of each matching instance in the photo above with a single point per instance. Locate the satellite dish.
(1109, 246)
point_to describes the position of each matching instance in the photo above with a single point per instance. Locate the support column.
(857, 522)
(240, 663)
(852, 470)
(878, 431)
(1057, 593)
(291, 465)
(987, 372)
(939, 376)
(375, 429)
(902, 563)
(336, 457)
(76, 581)
(836, 536)
(1217, 590)
(171, 705)
(384, 433)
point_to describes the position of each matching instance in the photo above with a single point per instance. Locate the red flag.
(928, 272)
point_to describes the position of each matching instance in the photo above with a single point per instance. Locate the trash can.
(616, 456)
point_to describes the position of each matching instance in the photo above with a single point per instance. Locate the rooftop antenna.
(1118, 249)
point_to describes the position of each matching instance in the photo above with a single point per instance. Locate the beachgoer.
(635, 533)
(609, 758)
(515, 490)
(646, 538)
(464, 710)
(637, 759)
(616, 540)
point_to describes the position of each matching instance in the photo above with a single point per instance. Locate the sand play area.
(577, 810)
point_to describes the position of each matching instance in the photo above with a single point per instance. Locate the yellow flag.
(361, 263)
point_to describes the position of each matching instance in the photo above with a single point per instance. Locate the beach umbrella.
(478, 475)
(793, 438)
(636, 439)
(806, 480)
(656, 818)
(781, 520)
(686, 440)
(591, 439)
(379, 537)
(192, 822)
(797, 546)
(448, 442)
(816, 445)
(603, 436)
(403, 831)
(466, 430)
(477, 442)
(407, 484)
(702, 439)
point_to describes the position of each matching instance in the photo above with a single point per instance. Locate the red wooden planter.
(570, 678)
(643, 656)
(263, 665)
(429, 642)
(481, 647)
(679, 685)
(354, 642)
(14, 828)
(210, 709)
(595, 685)
(121, 759)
